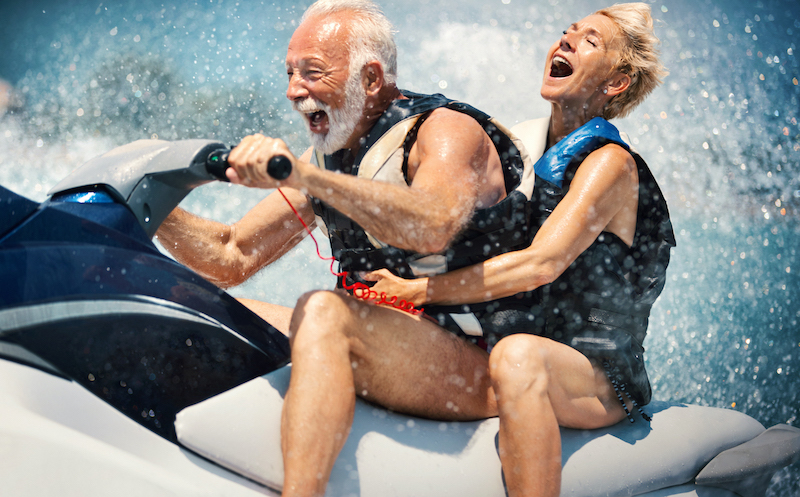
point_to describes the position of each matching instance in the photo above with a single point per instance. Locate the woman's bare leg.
(541, 384)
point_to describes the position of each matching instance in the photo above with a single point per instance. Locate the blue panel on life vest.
(591, 136)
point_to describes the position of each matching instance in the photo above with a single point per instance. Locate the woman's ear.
(618, 83)
(372, 77)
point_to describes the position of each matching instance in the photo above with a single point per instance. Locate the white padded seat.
(390, 454)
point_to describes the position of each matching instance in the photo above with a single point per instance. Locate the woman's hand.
(414, 290)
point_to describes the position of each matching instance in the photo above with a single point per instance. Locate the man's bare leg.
(276, 315)
(342, 347)
(541, 384)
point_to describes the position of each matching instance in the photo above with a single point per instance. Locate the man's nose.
(296, 89)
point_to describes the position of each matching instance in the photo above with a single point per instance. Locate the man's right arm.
(229, 255)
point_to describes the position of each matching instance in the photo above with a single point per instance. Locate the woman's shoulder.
(611, 155)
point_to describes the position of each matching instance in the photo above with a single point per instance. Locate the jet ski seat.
(391, 454)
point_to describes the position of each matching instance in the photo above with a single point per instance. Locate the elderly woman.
(567, 347)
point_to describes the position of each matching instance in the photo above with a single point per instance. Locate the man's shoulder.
(450, 122)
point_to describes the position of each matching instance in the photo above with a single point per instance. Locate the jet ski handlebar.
(152, 176)
(279, 167)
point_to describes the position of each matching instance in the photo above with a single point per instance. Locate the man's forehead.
(325, 36)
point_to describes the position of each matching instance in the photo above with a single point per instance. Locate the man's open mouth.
(314, 112)
(560, 68)
(316, 118)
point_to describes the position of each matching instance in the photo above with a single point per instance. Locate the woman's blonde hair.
(639, 56)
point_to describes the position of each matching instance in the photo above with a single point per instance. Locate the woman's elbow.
(538, 275)
(548, 274)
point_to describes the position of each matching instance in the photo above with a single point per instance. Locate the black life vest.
(383, 156)
(608, 282)
(600, 305)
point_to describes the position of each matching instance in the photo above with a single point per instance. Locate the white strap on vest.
(533, 135)
(383, 162)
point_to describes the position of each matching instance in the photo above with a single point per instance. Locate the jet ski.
(122, 372)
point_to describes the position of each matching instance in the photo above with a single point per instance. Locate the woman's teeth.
(560, 68)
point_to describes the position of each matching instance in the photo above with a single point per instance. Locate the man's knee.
(519, 362)
(318, 315)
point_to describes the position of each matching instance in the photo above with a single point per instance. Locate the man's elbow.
(235, 266)
(433, 245)
(439, 235)
(431, 240)
(228, 275)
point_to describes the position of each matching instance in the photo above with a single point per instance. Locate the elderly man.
(414, 183)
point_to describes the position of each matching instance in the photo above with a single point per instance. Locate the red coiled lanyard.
(358, 289)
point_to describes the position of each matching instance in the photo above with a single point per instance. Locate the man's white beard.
(341, 122)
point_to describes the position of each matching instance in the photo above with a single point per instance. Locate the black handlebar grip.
(279, 167)
(217, 163)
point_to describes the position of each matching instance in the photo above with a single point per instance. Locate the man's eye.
(592, 43)
(313, 74)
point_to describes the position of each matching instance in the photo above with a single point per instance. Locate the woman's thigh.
(579, 391)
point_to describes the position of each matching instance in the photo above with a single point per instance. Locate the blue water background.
(721, 136)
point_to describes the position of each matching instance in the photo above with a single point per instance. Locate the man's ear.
(618, 83)
(372, 77)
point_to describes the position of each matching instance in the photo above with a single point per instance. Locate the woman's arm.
(603, 195)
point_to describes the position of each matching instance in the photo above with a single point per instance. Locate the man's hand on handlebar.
(260, 162)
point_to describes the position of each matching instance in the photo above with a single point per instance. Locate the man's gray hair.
(371, 36)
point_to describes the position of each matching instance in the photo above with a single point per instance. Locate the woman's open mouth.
(559, 67)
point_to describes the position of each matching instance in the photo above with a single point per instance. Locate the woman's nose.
(565, 41)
